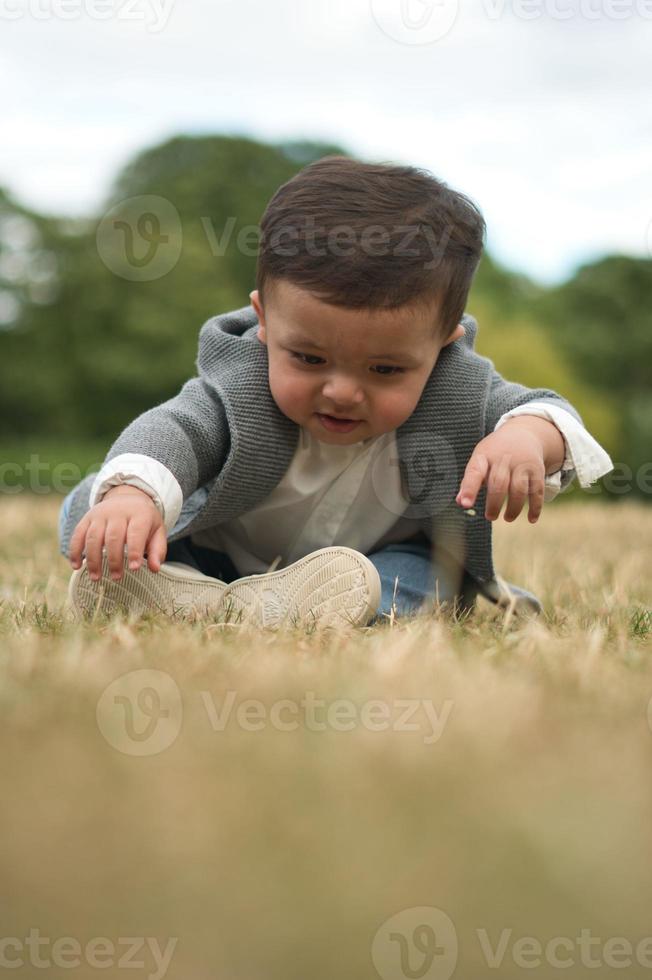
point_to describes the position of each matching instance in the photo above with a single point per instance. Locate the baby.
(343, 451)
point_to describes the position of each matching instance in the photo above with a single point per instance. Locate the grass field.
(426, 798)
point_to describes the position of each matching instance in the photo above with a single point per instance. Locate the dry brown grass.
(279, 854)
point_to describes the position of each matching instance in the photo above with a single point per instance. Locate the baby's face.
(366, 366)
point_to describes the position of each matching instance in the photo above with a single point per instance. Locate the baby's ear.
(457, 333)
(260, 313)
(254, 296)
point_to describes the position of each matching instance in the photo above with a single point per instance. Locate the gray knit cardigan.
(229, 445)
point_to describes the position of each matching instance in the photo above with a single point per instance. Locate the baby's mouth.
(335, 424)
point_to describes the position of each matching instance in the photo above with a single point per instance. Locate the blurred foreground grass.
(273, 838)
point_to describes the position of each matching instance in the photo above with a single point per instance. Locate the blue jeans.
(409, 561)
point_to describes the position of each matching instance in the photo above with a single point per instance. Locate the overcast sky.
(540, 110)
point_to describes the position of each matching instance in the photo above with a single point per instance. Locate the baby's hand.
(511, 461)
(125, 515)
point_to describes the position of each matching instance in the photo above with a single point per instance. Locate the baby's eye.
(388, 369)
(310, 359)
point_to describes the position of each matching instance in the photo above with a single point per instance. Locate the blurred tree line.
(84, 350)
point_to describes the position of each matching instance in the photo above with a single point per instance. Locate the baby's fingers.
(77, 541)
(497, 489)
(94, 544)
(115, 534)
(518, 493)
(474, 476)
(537, 491)
(157, 549)
(137, 534)
(525, 485)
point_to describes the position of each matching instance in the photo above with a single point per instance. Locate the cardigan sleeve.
(504, 395)
(188, 435)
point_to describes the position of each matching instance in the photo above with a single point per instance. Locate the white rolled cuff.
(150, 476)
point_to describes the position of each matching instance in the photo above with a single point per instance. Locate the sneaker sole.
(170, 591)
(331, 587)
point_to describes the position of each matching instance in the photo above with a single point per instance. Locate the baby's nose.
(343, 392)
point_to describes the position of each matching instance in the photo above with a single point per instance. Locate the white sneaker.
(174, 589)
(329, 587)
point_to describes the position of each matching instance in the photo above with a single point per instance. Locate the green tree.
(602, 321)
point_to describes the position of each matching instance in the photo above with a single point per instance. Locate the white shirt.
(331, 495)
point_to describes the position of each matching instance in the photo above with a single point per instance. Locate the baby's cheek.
(290, 394)
(393, 408)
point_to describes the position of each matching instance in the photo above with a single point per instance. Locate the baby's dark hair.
(372, 236)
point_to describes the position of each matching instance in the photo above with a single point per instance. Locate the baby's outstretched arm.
(125, 515)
